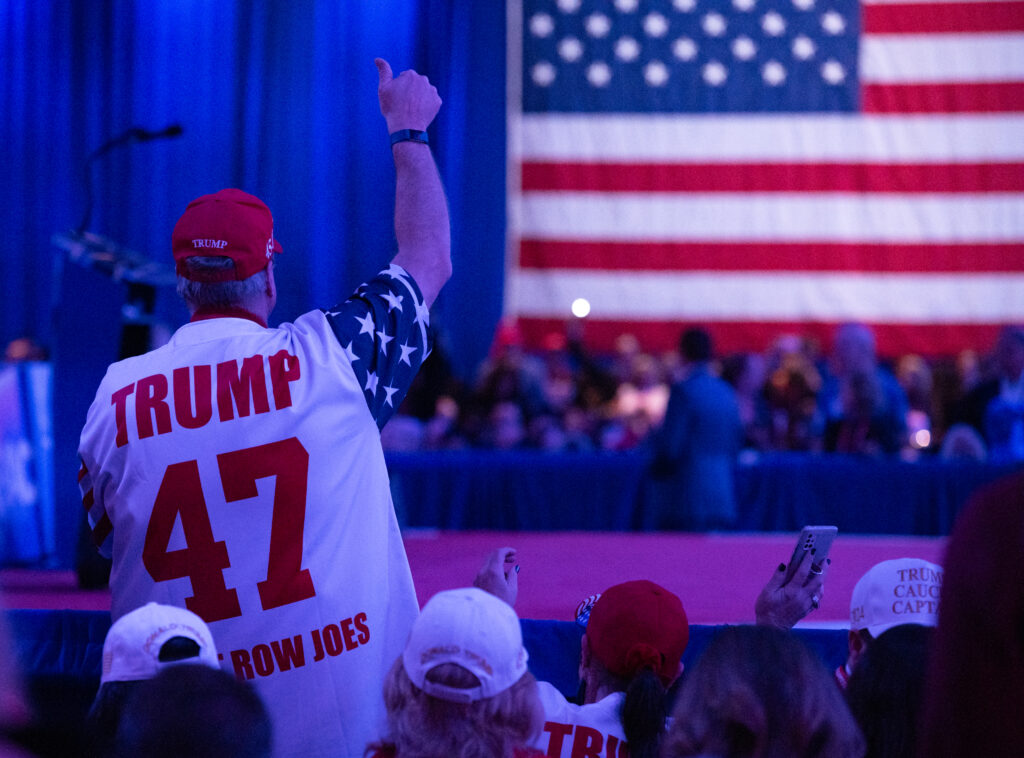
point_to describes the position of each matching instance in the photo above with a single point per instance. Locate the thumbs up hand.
(408, 101)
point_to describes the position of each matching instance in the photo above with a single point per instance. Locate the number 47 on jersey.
(203, 559)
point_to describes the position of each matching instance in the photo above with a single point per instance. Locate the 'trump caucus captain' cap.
(639, 624)
(131, 650)
(899, 591)
(229, 223)
(473, 629)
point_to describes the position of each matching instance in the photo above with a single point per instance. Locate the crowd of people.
(263, 604)
(934, 671)
(796, 396)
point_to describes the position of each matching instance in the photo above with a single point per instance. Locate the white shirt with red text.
(581, 731)
(238, 471)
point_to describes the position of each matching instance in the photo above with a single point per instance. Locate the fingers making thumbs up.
(408, 101)
(383, 70)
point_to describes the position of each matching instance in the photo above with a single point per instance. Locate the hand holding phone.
(813, 543)
(795, 589)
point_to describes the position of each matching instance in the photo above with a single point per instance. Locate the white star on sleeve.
(396, 272)
(391, 391)
(384, 340)
(407, 350)
(371, 383)
(349, 353)
(394, 301)
(366, 324)
(422, 314)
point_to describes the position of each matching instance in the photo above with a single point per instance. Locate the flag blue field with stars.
(384, 329)
(691, 56)
(767, 167)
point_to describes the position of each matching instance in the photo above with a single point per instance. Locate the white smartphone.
(816, 538)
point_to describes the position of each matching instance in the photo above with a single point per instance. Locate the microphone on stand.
(134, 134)
(141, 278)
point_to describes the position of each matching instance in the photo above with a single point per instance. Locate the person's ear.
(271, 289)
(584, 656)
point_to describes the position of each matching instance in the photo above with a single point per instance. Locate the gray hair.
(229, 294)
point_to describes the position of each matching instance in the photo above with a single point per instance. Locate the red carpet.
(717, 576)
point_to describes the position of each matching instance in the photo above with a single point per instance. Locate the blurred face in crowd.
(854, 349)
(1011, 354)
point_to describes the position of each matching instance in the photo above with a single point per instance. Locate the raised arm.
(783, 603)
(410, 101)
(500, 575)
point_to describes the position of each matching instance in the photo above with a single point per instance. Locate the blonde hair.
(423, 726)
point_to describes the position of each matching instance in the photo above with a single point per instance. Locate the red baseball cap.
(229, 223)
(637, 625)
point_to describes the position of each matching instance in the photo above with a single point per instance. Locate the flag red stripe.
(82, 471)
(953, 18)
(88, 499)
(657, 336)
(766, 256)
(102, 530)
(982, 97)
(773, 177)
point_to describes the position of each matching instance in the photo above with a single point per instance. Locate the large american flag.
(767, 166)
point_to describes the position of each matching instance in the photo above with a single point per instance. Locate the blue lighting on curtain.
(278, 98)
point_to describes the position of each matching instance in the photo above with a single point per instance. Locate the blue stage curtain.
(278, 98)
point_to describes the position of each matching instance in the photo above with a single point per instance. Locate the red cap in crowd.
(638, 625)
(229, 223)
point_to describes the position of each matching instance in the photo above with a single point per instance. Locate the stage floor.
(718, 576)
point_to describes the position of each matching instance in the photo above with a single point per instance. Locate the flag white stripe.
(906, 59)
(889, 298)
(790, 217)
(769, 138)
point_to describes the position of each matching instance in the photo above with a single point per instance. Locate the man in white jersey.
(237, 471)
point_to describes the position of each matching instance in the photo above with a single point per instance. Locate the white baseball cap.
(131, 650)
(473, 629)
(899, 591)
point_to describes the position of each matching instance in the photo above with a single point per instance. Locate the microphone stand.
(134, 134)
(141, 277)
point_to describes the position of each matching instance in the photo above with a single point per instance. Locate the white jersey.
(237, 471)
(581, 731)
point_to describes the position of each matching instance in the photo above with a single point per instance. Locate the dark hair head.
(975, 681)
(695, 345)
(105, 714)
(636, 635)
(887, 688)
(194, 710)
(643, 714)
(760, 692)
